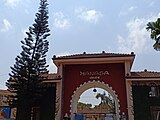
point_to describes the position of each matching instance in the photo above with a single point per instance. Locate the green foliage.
(82, 105)
(154, 28)
(27, 73)
(106, 100)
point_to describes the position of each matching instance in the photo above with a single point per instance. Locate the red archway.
(78, 70)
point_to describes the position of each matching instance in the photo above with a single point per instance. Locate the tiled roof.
(4, 92)
(144, 74)
(94, 55)
(51, 76)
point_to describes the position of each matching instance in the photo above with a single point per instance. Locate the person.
(123, 117)
(109, 117)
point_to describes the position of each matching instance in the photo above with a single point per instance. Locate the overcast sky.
(76, 26)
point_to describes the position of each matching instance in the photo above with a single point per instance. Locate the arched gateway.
(91, 84)
(83, 71)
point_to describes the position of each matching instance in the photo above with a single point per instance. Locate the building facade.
(6, 112)
(111, 72)
(135, 95)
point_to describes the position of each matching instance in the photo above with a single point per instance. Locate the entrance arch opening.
(96, 104)
(104, 109)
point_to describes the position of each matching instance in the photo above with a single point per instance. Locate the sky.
(78, 26)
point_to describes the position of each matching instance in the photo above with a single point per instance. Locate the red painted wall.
(72, 79)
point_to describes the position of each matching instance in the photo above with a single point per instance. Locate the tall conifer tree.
(27, 73)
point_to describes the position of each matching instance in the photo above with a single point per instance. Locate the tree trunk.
(23, 110)
(47, 104)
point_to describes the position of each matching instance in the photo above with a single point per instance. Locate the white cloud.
(126, 12)
(26, 11)
(122, 13)
(151, 4)
(63, 54)
(24, 30)
(137, 39)
(3, 86)
(91, 16)
(6, 26)
(132, 8)
(61, 21)
(11, 3)
(52, 68)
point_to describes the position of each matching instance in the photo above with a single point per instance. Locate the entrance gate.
(84, 71)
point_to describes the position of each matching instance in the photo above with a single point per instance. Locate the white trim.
(58, 100)
(92, 60)
(129, 100)
(59, 93)
(127, 68)
(90, 84)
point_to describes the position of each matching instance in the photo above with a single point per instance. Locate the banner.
(79, 117)
(4, 112)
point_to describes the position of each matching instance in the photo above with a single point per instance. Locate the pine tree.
(27, 73)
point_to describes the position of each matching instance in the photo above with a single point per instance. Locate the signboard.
(79, 117)
(4, 113)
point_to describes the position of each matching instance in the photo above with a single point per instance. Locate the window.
(154, 90)
(155, 112)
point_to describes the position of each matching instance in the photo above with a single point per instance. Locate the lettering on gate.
(94, 74)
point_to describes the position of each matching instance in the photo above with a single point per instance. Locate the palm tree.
(101, 96)
(107, 100)
(104, 99)
(154, 27)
